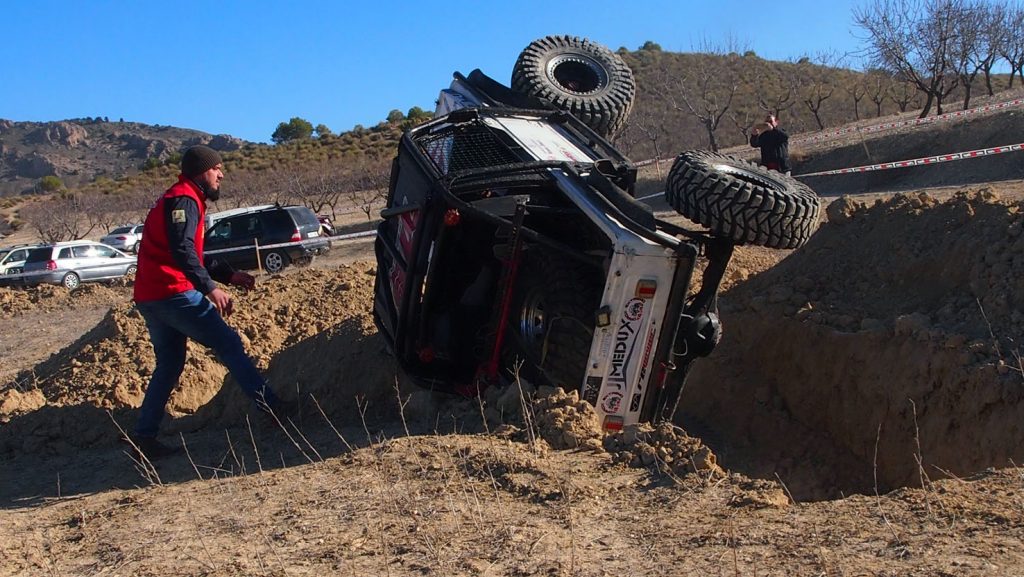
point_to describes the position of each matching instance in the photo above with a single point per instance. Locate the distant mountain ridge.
(79, 150)
(737, 87)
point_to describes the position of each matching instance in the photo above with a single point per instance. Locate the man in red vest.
(176, 295)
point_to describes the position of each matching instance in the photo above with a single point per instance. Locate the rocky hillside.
(79, 150)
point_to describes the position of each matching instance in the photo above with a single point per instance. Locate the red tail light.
(52, 265)
(122, 238)
(296, 236)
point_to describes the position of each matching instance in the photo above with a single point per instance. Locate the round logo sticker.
(634, 309)
(611, 402)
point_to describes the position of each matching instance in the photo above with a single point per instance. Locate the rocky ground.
(862, 416)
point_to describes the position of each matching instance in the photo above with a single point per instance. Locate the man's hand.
(243, 279)
(222, 301)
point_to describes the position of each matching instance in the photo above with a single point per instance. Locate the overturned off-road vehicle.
(511, 244)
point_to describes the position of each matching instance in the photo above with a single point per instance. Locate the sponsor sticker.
(646, 359)
(634, 403)
(625, 343)
(178, 216)
(591, 389)
(611, 402)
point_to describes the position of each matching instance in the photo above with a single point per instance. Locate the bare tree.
(1011, 42)
(64, 216)
(643, 125)
(916, 40)
(706, 94)
(878, 86)
(774, 101)
(902, 94)
(992, 24)
(743, 121)
(368, 187)
(857, 91)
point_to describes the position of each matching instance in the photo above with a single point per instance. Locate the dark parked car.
(74, 262)
(266, 237)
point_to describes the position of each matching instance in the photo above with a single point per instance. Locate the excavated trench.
(883, 354)
(880, 355)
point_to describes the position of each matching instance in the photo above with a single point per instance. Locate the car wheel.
(552, 319)
(71, 281)
(275, 261)
(579, 76)
(131, 270)
(741, 200)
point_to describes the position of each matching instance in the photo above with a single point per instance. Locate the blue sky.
(240, 68)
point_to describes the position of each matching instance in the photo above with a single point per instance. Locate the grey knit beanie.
(198, 159)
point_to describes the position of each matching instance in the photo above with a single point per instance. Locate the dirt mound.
(42, 298)
(311, 332)
(888, 346)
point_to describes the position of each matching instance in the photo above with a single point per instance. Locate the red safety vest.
(159, 277)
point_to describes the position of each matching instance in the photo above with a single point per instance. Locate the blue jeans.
(171, 322)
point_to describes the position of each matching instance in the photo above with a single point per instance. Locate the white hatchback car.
(124, 238)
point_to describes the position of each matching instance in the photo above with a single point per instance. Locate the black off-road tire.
(580, 77)
(551, 320)
(741, 200)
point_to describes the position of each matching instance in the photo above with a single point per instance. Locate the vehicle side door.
(87, 263)
(107, 262)
(233, 240)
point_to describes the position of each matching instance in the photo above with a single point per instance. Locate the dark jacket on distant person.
(774, 145)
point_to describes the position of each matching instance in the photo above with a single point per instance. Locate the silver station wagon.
(74, 262)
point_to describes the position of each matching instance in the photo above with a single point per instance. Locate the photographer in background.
(774, 144)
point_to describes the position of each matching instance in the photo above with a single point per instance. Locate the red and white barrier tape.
(922, 161)
(913, 122)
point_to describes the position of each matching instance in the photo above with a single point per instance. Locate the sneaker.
(153, 449)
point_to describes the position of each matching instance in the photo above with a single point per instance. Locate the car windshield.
(121, 230)
(3, 253)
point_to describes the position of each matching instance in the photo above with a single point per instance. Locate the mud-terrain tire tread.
(604, 109)
(741, 200)
(571, 292)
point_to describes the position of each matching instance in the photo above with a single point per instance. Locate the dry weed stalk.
(212, 566)
(255, 449)
(142, 464)
(897, 540)
(331, 425)
(189, 455)
(1015, 353)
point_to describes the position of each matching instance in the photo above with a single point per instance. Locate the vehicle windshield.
(4, 252)
(121, 230)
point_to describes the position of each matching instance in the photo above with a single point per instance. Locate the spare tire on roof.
(743, 201)
(579, 76)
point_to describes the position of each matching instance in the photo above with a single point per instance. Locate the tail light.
(122, 238)
(51, 265)
(296, 236)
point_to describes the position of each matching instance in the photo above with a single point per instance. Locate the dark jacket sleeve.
(182, 220)
(754, 141)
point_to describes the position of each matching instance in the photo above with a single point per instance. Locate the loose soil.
(863, 415)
